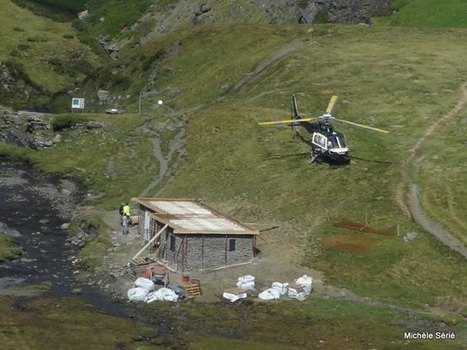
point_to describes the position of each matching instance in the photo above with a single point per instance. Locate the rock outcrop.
(15, 88)
(27, 129)
(184, 13)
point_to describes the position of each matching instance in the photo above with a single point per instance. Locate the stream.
(33, 208)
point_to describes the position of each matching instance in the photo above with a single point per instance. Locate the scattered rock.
(410, 236)
(45, 230)
(103, 96)
(111, 47)
(76, 291)
(83, 15)
(65, 226)
(94, 125)
(204, 8)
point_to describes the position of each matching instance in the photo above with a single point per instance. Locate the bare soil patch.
(349, 243)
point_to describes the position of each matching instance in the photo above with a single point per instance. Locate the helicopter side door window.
(319, 140)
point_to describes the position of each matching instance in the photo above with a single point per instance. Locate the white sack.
(306, 283)
(295, 293)
(281, 287)
(301, 288)
(163, 294)
(145, 283)
(233, 297)
(246, 282)
(137, 294)
(270, 294)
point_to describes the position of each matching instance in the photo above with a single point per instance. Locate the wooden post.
(149, 243)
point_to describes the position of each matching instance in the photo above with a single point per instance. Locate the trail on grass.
(411, 166)
(264, 65)
(176, 144)
(164, 161)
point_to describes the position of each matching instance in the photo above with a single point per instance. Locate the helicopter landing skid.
(313, 158)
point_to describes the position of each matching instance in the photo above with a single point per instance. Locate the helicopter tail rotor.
(294, 114)
(294, 120)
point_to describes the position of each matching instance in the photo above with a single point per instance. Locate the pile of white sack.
(300, 289)
(275, 292)
(244, 283)
(144, 291)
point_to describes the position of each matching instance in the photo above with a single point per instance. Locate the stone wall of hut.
(200, 251)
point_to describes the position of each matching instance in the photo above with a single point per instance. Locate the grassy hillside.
(110, 18)
(55, 9)
(45, 52)
(390, 78)
(394, 78)
(430, 13)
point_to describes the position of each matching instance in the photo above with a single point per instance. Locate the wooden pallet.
(139, 261)
(192, 290)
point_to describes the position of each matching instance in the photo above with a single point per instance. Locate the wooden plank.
(149, 243)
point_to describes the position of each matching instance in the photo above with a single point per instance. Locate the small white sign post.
(77, 103)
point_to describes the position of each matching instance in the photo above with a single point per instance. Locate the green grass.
(116, 16)
(91, 255)
(430, 13)
(69, 5)
(45, 51)
(9, 248)
(190, 67)
(389, 78)
(314, 323)
(67, 324)
(443, 172)
(55, 9)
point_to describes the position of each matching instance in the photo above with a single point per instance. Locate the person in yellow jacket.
(126, 210)
(126, 218)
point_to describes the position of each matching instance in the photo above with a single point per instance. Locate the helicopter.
(326, 143)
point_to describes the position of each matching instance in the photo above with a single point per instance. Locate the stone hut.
(193, 236)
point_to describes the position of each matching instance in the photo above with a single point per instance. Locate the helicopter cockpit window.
(319, 140)
(332, 142)
(342, 141)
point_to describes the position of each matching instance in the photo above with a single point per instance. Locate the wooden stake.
(149, 243)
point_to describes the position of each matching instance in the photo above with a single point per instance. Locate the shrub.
(63, 122)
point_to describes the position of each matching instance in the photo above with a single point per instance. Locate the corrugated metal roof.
(190, 216)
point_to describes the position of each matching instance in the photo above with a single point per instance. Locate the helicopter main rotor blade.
(288, 121)
(331, 104)
(361, 125)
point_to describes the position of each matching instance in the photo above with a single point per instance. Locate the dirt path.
(411, 166)
(263, 66)
(175, 145)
